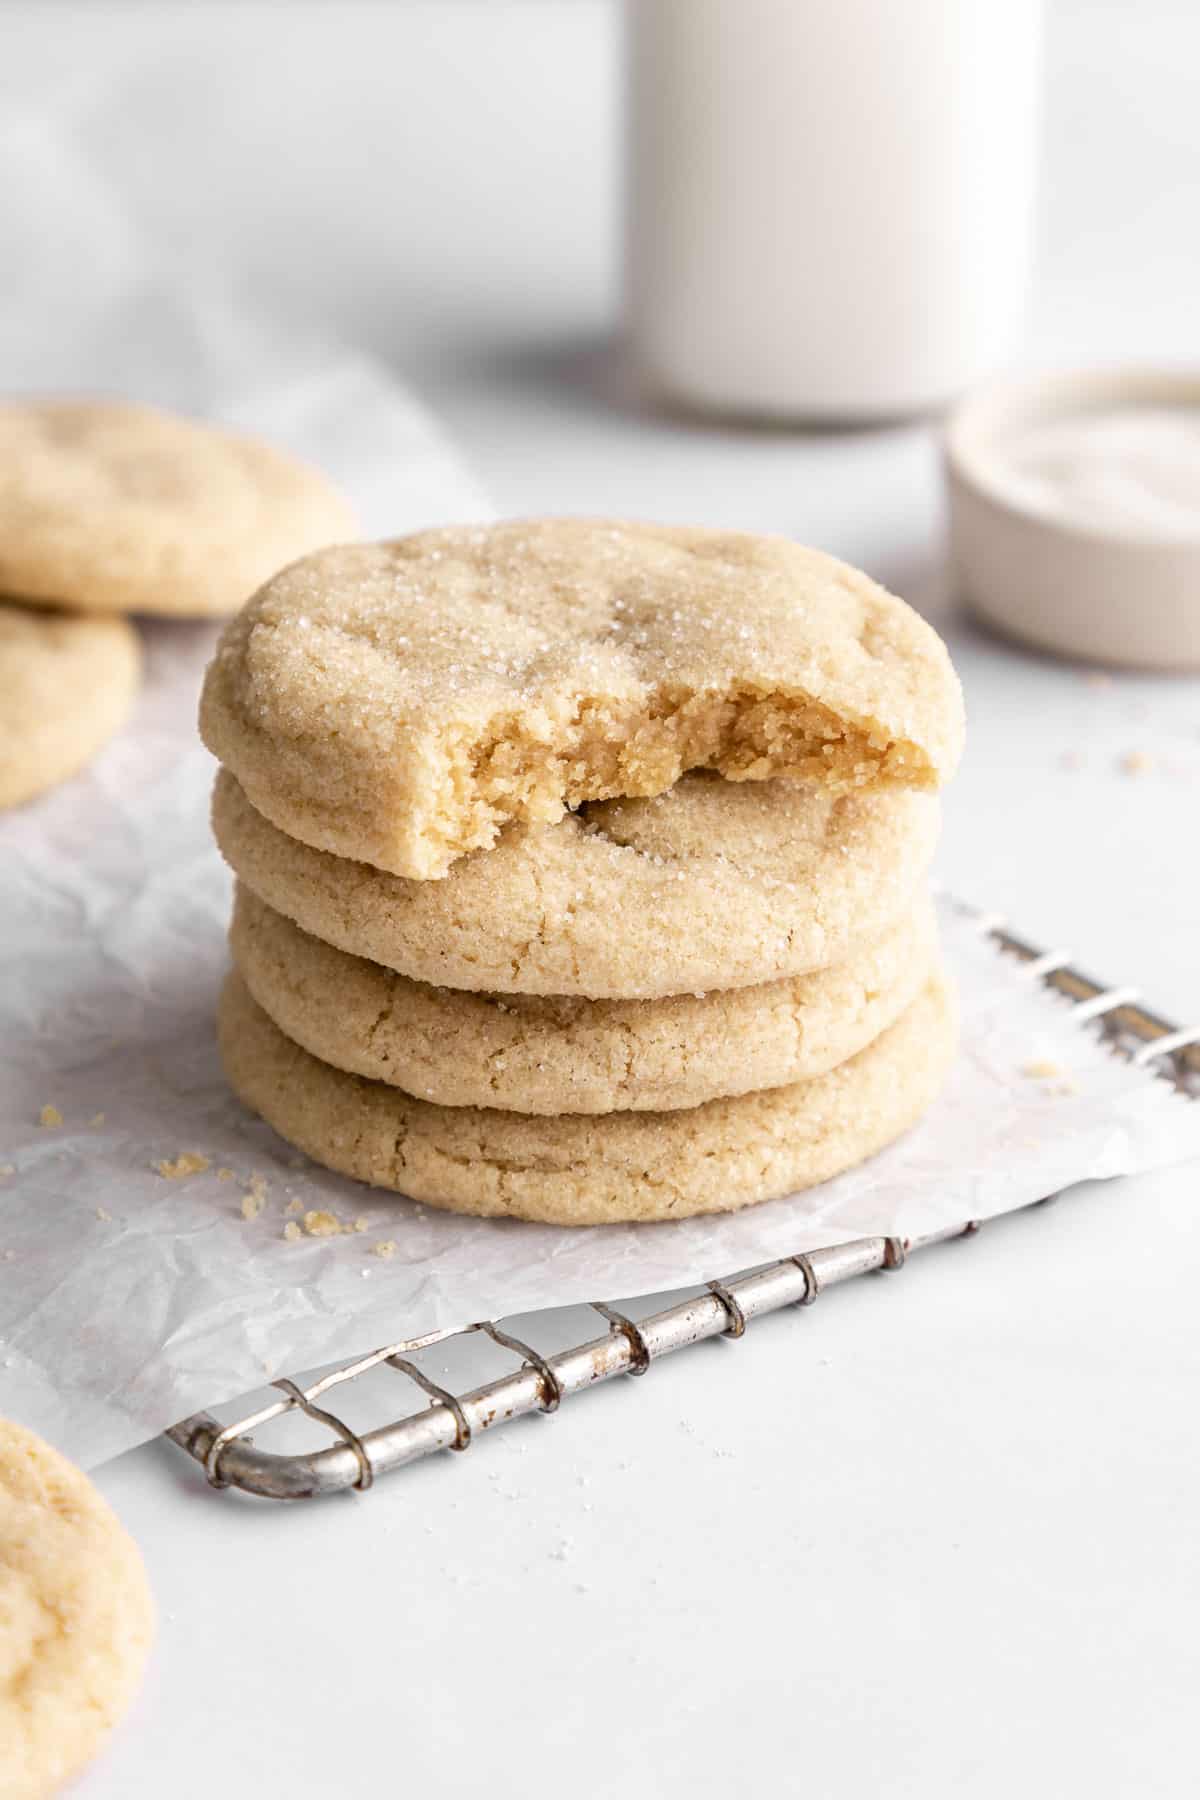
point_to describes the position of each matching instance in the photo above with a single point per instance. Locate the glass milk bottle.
(829, 201)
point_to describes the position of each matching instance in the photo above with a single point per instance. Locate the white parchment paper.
(128, 1300)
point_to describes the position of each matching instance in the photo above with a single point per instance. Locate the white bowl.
(1117, 595)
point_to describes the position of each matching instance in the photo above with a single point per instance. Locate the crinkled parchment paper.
(129, 1299)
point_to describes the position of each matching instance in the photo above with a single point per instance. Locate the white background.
(936, 1536)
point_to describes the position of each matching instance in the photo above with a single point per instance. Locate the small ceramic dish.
(1111, 593)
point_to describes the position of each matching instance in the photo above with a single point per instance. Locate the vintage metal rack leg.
(726, 1307)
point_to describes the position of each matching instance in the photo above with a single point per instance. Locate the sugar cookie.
(562, 1054)
(714, 884)
(399, 703)
(67, 682)
(109, 507)
(76, 1617)
(580, 1170)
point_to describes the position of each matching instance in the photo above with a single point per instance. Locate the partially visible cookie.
(76, 1617)
(399, 703)
(713, 884)
(580, 1170)
(109, 507)
(562, 1054)
(67, 682)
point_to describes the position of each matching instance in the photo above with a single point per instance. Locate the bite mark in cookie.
(400, 703)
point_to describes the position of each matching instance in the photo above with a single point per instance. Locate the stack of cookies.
(581, 866)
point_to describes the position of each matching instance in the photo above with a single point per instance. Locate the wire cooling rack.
(627, 1346)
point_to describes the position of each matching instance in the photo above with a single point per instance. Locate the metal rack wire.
(627, 1346)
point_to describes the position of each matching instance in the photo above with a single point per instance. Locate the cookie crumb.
(96, 1119)
(50, 1115)
(103, 1214)
(293, 1207)
(225, 1175)
(361, 1224)
(322, 1224)
(385, 1249)
(1059, 1081)
(188, 1162)
(252, 1205)
(292, 1232)
(1136, 762)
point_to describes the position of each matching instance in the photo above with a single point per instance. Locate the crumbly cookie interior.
(515, 770)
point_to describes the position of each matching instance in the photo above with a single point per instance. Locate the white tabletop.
(935, 1536)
